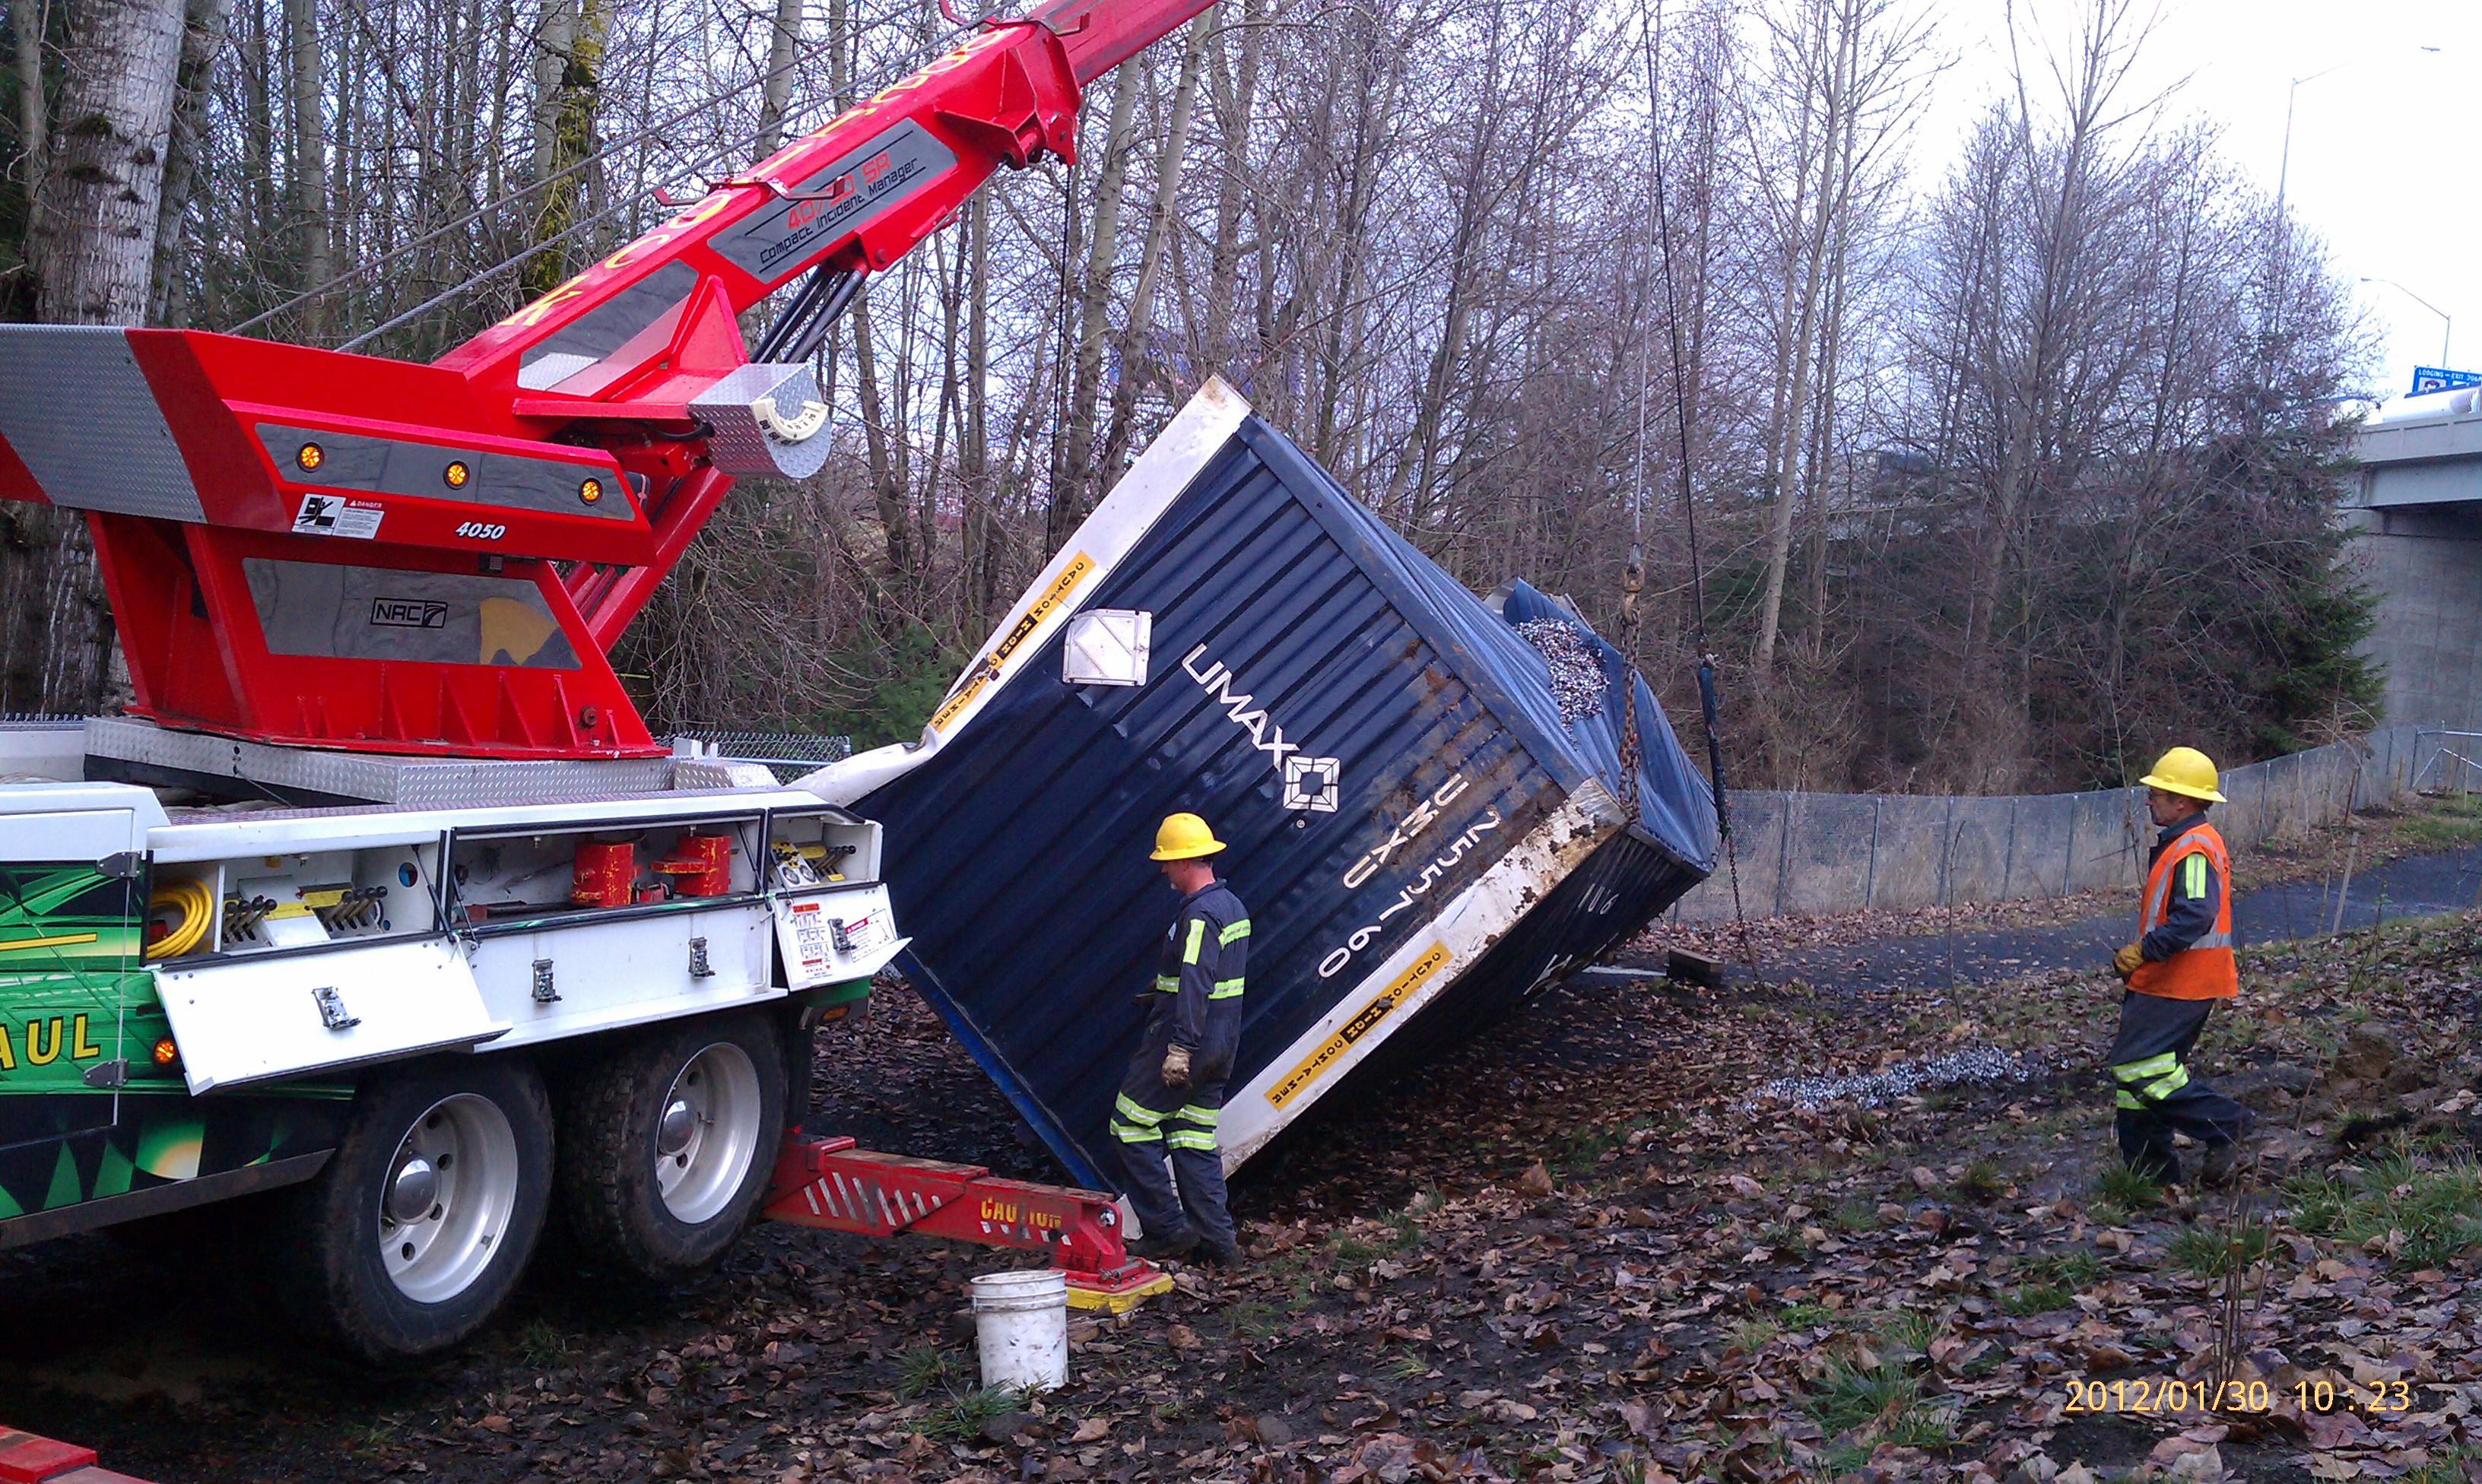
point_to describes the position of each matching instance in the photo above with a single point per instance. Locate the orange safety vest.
(2204, 970)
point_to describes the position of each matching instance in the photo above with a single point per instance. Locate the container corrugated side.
(1288, 624)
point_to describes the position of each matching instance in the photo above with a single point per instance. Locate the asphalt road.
(2413, 886)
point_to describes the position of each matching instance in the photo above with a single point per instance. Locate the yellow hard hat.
(2186, 771)
(1184, 836)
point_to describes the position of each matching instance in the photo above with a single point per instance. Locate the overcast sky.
(2383, 162)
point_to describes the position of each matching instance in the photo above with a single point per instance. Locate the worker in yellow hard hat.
(2179, 966)
(1172, 1094)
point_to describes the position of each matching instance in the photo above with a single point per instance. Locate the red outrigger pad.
(27, 1459)
(828, 1183)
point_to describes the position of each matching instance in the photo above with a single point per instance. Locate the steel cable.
(630, 203)
(1706, 699)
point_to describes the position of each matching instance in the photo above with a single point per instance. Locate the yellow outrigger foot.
(1122, 1294)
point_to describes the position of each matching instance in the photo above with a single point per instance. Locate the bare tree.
(29, 23)
(778, 90)
(1140, 320)
(308, 101)
(1073, 492)
(1856, 66)
(1952, 438)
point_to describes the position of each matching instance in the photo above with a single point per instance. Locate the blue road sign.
(2438, 379)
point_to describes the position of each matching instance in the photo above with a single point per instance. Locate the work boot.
(1158, 1249)
(2221, 1159)
(1217, 1254)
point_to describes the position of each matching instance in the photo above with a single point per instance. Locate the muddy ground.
(1581, 1248)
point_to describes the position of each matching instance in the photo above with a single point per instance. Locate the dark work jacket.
(1196, 1001)
(2186, 915)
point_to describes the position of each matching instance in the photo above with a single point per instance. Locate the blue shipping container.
(1421, 833)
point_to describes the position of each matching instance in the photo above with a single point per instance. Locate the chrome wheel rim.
(706, 1133)
(445, 1206)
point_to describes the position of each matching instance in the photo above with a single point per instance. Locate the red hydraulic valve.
(828, 1183)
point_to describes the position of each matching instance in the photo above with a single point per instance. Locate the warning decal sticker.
(988, 669)
(810, 940)
(337, 515)
(1431, 961)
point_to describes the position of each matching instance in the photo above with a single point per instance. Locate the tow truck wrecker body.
(491, 914)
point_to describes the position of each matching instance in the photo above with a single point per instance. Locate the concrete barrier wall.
(1810, 854)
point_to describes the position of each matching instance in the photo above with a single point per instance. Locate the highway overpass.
(2418, 507)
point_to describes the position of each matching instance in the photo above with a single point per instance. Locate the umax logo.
(1310, 783)
(1241, 708)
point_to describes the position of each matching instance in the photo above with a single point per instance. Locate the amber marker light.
(589, 490)
(166, 1052)
(456, 473)
(310, 456)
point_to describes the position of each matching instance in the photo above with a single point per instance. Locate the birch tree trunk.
(1232, 107)
(92, 249)
(1159, 228)
(555, 32)
(310, 173)
(1806, 230)
(778, 90)
(202, 37)
(92, 256)
(27, 20)
(570, 62)
(1071, 501)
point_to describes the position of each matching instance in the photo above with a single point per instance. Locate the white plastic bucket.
(1021, 1328)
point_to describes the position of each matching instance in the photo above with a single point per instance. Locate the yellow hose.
(191, 898)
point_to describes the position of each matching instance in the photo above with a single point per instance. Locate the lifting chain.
(1632, 583)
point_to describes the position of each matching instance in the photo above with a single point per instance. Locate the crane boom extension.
(306, 547)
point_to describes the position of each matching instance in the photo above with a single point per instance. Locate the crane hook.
(794, 429)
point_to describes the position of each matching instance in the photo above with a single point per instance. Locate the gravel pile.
(1577, 680)
(1984, 1066)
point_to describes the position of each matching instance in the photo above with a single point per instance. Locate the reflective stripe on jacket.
(1202, 966)
(2205, 969)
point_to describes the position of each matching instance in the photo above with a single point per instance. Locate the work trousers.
(1153, 1124)
(2155, 1094)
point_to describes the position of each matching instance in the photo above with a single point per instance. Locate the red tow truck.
(493, 910)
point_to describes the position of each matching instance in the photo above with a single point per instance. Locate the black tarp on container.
(1420, 834)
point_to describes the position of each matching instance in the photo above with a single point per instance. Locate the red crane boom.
(307, 547)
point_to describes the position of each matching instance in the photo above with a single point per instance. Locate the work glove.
(2124, 962)
(1176, 1067)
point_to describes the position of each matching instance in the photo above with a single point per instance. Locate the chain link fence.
(787, 754)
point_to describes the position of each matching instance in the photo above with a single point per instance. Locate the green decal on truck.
(76, 997)
(72, 972)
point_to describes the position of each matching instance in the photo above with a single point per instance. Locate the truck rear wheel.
(667, 1144)
(418, 1229)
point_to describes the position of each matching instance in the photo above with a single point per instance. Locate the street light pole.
(2447, 324)
(2284, 167)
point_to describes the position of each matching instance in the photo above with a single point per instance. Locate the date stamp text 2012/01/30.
(2147, 1393)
